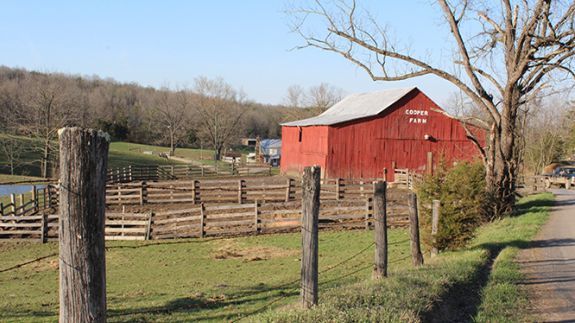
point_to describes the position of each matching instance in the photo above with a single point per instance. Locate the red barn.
(365, 133)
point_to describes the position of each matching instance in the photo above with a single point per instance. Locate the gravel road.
(549, 264)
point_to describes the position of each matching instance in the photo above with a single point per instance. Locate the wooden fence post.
(256, 217)
(416, 255)
(288, 190)
(380, 219)
(83, 163)
(143, 193)
(44, 228)
(196, 192)
(241, 184)
(13, 201)
(149, 226)
(385, 174)
(35, 197)
(49, 193)
(309, 230)
(368, 208)
(202, 220)
(434, 226)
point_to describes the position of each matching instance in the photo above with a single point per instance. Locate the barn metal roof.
(355, 106)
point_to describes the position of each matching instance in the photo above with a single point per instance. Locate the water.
(17, 189)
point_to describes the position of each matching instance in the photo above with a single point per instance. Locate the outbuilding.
(365, 133)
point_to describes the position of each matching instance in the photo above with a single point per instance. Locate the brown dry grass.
(230, 249)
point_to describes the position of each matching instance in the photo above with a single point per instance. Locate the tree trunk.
(502, 164)
(218, 153)
(45, 159)
(172, 145)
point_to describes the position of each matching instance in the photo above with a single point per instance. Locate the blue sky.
(157, 43)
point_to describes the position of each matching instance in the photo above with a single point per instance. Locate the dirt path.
(549, 264)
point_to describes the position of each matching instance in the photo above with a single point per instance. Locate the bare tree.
(219, 111)
(323, 96)
(48, 109)
(546, 133)
(506, 51)
(12, 149)
(172, 110)
(295, 97)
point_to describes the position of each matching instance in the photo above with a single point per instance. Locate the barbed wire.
(28, 262)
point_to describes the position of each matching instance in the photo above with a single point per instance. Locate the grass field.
(256, 278)
(478, 283)
(120, 154)
(185, 280)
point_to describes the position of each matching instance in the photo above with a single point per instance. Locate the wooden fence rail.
(137, 173)
(240, 191)
(204, 220)
(30, 203)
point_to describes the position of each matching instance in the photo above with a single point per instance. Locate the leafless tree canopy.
(219, 112)
(35, 105)
(506, 52)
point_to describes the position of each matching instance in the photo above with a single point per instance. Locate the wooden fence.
(240, 191)
(217, 220)
(30, 203)
(44, 226)
(137, 173)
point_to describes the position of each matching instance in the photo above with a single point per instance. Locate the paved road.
(549, 263)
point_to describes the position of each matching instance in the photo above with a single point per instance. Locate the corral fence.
(240, 191)
(218, 220)
(208, 207)
(22, 215)
(135, 173)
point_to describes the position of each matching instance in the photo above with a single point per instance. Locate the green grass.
(502, 300)
(182, 280)
(7, 178)
(120, 154)
(256, 278)
(124, 154)
(460, 281)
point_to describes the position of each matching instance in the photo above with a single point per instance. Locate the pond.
(17, 189)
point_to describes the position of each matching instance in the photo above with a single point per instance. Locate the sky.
(248, 43)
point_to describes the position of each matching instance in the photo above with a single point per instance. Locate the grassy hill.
(120, 154)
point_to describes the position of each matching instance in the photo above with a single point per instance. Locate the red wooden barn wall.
(363, 148)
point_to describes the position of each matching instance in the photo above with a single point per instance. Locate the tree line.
(210, 114)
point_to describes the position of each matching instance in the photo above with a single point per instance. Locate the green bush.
(461, 190)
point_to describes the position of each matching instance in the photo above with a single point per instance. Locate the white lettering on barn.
(416, 116)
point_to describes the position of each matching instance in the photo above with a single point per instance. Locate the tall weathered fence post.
(434, 226)
(416, 255)
(309, 230)
(83, 163)
(380, 219)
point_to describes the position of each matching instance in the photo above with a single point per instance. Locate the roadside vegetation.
(474, 283)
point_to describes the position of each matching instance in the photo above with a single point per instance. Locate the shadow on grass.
(240, 304)
(462, 300)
